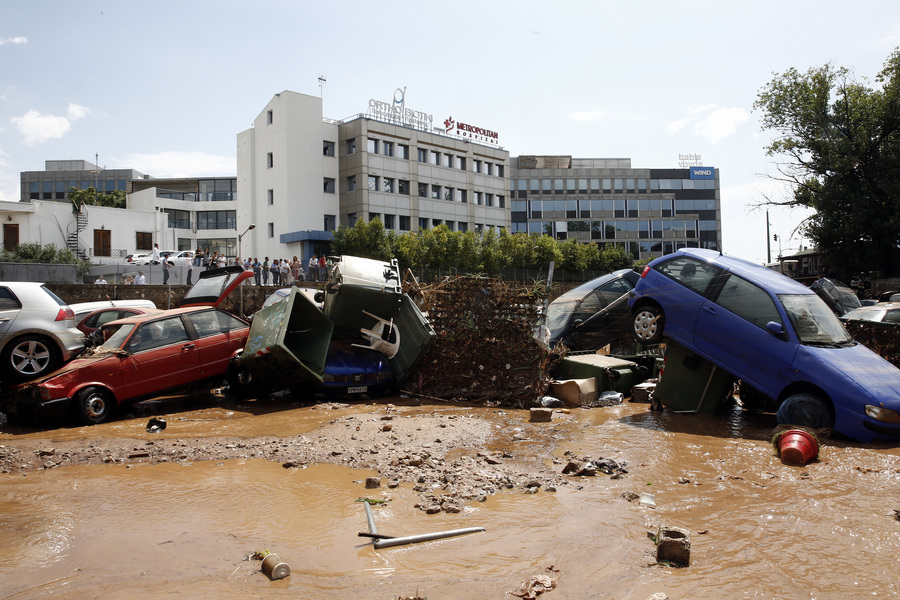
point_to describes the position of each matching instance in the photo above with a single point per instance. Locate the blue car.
(775, 335)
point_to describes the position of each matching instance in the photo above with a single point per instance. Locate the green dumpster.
(690, 383)
(612, 373)
(288, 342)
(361, 284)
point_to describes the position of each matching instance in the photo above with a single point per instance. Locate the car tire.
(242, 383)
(94, 405)
(807, 410)
(648, 325)
(29, 357)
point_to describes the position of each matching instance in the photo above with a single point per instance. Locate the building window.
(423, 155)
(351, 183)
(501, 201)
(328, 185)
(270, 160)
(387, 148)
(463, 226)
(461, 163)
(330, 222)
(373, 216)
(499, 170)
(373, 183)
(387, 185)
(403, 187)
(351, 146)
(423, 190)
(476, 166)
(423, 224)
(436, 192)
(327, 148)
(448, 194)
(448, 161)
(461, 196)
(435, 158)
(216, 219)
(479, 198)
(403, 151)
(271, 230)
(271, 195)
(269, 117)
(404, 223)
(372, 146)
(450, 225)
(489, 168)
(436, 222)
(143, 240)
(488, 199)
(389, 221)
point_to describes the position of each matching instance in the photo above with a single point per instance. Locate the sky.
(164, 87)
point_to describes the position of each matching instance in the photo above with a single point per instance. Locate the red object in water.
(797, 447)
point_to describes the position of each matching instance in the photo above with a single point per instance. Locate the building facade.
(649, 212)
(301, 176)
(58, 176)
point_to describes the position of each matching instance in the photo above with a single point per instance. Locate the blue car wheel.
(648, 325)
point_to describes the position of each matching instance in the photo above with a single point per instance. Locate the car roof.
(776, 282)
(157, 314)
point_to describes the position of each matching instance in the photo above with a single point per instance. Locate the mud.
(116, 511)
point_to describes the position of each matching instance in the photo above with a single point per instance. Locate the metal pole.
(425, 537)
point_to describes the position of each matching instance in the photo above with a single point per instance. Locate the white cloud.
(181, 164)
(721, 124)
(14, 40)
(37, 128)
(714, 127)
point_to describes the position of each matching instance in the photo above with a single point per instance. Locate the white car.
(37, 331)
(83, 309)
(179, 257)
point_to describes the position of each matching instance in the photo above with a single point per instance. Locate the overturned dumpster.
(366, 339)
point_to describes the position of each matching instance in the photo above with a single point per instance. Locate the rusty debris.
(485, 351)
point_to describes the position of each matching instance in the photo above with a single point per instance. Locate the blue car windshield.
(814, 322)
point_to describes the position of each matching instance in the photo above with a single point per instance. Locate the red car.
(94, 320)
(145, 355)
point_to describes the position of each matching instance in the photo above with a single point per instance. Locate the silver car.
(37, 331)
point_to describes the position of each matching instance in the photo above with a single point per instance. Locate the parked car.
(838, 296)
(775, 335)
(83, 309)
(593, 314)
(94, 320)
(133, 258)
(37, 331)
(145, 355)
(883, 312)
(179, 257)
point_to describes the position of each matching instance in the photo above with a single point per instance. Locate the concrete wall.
(38, 272)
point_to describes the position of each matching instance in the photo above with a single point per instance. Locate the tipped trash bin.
(797, 447)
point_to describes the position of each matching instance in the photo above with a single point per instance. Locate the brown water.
(824, 531)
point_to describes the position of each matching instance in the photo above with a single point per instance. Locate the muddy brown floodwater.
(113, 511)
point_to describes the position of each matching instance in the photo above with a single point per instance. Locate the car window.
(8, 300)
(54, 296)
(892, 316)
(614, 290)
(590, 305)
(748, 300)
(107, 317)
(157, 334)
(211, 322)
(690, 272)
(813, 321)
(865, 314)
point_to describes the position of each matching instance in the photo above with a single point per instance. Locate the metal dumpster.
(288, 342)
(690, 383)
(612, 373)
(361, 284)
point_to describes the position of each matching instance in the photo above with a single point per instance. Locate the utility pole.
(768, 241)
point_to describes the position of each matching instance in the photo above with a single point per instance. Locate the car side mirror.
(776, 328)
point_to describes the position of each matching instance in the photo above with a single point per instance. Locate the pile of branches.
(485, 351)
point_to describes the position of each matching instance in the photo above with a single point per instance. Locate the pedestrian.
(222, 261)
(285, 272)
(213, 260)
(276, 272)
(190, 273)
(100, 280)
(165, 266)
(198, 257)
(313, 268)
(140, 279)
(156, 253)
(265, 271)
(296, 269)
(323, 273)
(257, 267)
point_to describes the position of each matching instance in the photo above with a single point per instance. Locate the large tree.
(837, 146)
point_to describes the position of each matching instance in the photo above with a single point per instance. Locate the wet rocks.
(540, 415)
(586, 467)
(673, 546)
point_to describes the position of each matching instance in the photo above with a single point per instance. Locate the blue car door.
(731, 330)
(681, 294)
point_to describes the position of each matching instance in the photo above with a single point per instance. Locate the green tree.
(89, 196)
(365, 239)
(838, 143)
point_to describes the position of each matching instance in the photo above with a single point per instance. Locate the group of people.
(202, 258)
(284, 271)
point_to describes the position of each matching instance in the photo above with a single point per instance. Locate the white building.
(301, 176)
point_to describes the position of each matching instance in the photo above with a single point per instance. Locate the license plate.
(358, 390)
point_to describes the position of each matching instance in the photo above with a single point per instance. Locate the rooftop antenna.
(322, 79)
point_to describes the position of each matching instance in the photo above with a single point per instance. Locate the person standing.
(100, 280)
(256, 271)
(276, 272)
(190, 273)
(285, 272)
(156, 253)
(323, 273)
(213, 261)
(198, 257)
(140, 279)
(265, 271)
(313, 268)
(165, 266)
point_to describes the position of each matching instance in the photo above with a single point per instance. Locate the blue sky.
(164, 87)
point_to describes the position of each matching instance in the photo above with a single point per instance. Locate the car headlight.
(882, 414)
